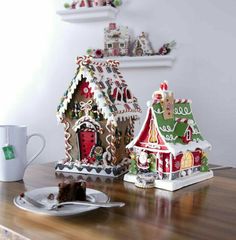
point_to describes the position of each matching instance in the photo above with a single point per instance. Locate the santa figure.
(143, 164)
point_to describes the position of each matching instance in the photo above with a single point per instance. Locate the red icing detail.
(177, 162)
(144, 136)
(86, 142)
(85, 90)
(197, 157)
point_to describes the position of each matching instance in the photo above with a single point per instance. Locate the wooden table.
(205, 210)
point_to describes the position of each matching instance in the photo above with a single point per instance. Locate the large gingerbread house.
(98, 111)
(169, 146)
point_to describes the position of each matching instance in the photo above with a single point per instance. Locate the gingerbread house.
(98, 111)
(169, 147)
(142, 46)
(116, 40)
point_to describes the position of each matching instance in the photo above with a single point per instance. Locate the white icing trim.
(158, 111)
(133, 142)
(151, 149)
(182, 111)
(89, 121)
(175, 149)
(167, 128)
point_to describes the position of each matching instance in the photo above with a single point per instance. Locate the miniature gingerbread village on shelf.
(169, 152)
(118, 43)
(76, 4)
(98, 111)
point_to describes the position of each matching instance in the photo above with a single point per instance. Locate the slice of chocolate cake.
(72, 191)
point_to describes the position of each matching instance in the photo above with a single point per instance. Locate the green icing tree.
(133, 169)
(204, 165)
(152, 163)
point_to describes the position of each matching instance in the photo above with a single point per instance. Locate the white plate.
(41, 195)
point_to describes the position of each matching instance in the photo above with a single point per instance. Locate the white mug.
(13, 145)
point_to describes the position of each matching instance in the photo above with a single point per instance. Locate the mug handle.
(40, 150)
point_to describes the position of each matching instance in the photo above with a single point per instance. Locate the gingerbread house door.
(116, 50)
(87, 140)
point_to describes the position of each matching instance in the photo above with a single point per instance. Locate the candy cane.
(68, 147)
(113, 63)
(85, 60)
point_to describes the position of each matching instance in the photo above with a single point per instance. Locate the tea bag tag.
(8, 152)
(8, 149)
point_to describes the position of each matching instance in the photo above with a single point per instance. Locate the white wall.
(38, 54)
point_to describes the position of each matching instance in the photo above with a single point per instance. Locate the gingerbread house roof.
(173, 129)
(110, 91)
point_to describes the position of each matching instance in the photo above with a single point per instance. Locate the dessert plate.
(41, 195)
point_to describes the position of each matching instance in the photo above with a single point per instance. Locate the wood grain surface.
(206, 210)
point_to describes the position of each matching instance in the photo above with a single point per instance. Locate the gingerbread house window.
(187, 160)
(129, 96)
(188, 135)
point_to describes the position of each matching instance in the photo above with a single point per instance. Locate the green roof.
(173, 129)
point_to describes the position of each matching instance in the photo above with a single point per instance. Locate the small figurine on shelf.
(166, 48)
(113, 3)
(142, 46)
(116, 40)
(79, 4)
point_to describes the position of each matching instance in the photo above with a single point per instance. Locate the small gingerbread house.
(116, 40)
(98, 111)
(142, 46)
(169, 145)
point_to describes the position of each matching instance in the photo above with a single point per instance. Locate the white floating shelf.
(145, 61)
(86, 14)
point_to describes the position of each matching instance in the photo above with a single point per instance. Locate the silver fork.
(80, 203)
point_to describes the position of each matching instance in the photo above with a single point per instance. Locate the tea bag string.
(7, 136)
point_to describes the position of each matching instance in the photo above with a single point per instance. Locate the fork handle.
(81, 203)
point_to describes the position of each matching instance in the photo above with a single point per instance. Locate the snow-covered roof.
(110, 91)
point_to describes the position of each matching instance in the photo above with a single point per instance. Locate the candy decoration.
(85, 60)
(85, 90)
(68, 147)
(164, 86)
